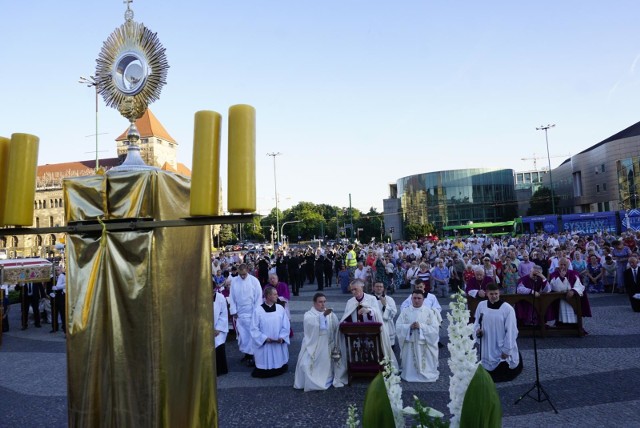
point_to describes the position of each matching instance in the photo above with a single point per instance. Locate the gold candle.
(242, 159)
(4, 162)
(205, 174)
(21, 179)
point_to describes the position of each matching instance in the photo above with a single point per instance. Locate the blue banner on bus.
(589, 223)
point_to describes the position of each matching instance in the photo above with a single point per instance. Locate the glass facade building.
(448, 198)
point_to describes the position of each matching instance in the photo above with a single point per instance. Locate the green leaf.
(377, 407)
(481, 407)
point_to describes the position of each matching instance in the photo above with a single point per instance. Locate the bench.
(542, 303)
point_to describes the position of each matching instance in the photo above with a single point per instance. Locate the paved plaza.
(593, 381)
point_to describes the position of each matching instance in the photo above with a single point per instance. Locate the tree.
(417, 230)
(540, 202)
(227, 236)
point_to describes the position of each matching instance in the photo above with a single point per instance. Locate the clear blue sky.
(355, 94)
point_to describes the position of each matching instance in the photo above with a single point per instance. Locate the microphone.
(480, 322)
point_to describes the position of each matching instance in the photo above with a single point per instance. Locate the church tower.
(157, 147)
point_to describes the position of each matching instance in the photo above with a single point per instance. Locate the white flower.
(463, 357)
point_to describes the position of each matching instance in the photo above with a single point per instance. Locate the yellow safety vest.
(351, 262)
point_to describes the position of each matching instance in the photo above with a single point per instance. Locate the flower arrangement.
(463, 361)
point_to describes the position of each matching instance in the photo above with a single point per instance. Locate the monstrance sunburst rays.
(131, 69)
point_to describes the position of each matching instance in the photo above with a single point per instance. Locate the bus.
(502, 228)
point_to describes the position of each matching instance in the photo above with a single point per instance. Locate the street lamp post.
(288, 222)
(91, 81)
(275, 186)
(546, 137)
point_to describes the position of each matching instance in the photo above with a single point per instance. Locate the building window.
(37, 221)
(44, 204)
(597, 188)
(14, 241)
(606, 206)
(604, 186)
(602, 168)
(60, 203)
(38, 240)
(50, 221)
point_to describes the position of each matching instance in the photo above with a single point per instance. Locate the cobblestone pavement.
(592, 381)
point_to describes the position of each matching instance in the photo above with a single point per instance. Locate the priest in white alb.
(314, 370)
(270, 334)
(361, 307)
(417, 330)
(245, 296)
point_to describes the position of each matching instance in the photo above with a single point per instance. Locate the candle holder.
(130, 73)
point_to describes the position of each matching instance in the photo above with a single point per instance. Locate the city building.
(157, 149)
(526, 184)
(603, 177)
(453, 197)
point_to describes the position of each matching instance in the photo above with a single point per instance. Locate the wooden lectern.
(364, 348)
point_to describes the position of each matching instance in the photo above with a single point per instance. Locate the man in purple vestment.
(533, 283)
(477, 286)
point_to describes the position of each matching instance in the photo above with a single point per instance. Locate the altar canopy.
(139, 333)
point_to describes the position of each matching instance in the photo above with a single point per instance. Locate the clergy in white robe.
(245, 296)
(270, 334)
(388, 309)
(418, 334)
(314, 370)
(360, 308)
(496, 329)
(220, 330)
(430, 300)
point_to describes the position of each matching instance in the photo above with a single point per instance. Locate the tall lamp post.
(91, 81)
(546, 137)
(275, 186)
(288, 222)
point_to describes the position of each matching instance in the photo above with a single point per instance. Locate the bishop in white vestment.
(361, 308)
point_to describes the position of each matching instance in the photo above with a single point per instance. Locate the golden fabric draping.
(139, 321)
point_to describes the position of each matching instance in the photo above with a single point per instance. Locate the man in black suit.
(30, 295)
(632, 283)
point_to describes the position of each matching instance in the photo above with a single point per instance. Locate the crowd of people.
(258, 287)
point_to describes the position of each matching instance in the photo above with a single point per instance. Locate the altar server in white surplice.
(245, 296)
(314, 371)
(496, 329)
(220, 330)
(417, 330)
(270, 333)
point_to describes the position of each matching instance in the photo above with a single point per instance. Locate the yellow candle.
(21, 179)
(4, 162)
(205, 173)
(242, 159)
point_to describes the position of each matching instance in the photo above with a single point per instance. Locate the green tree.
(227, 236)
(540, 202)
(417, 230)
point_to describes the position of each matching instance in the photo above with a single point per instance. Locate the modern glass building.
(448, 198)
